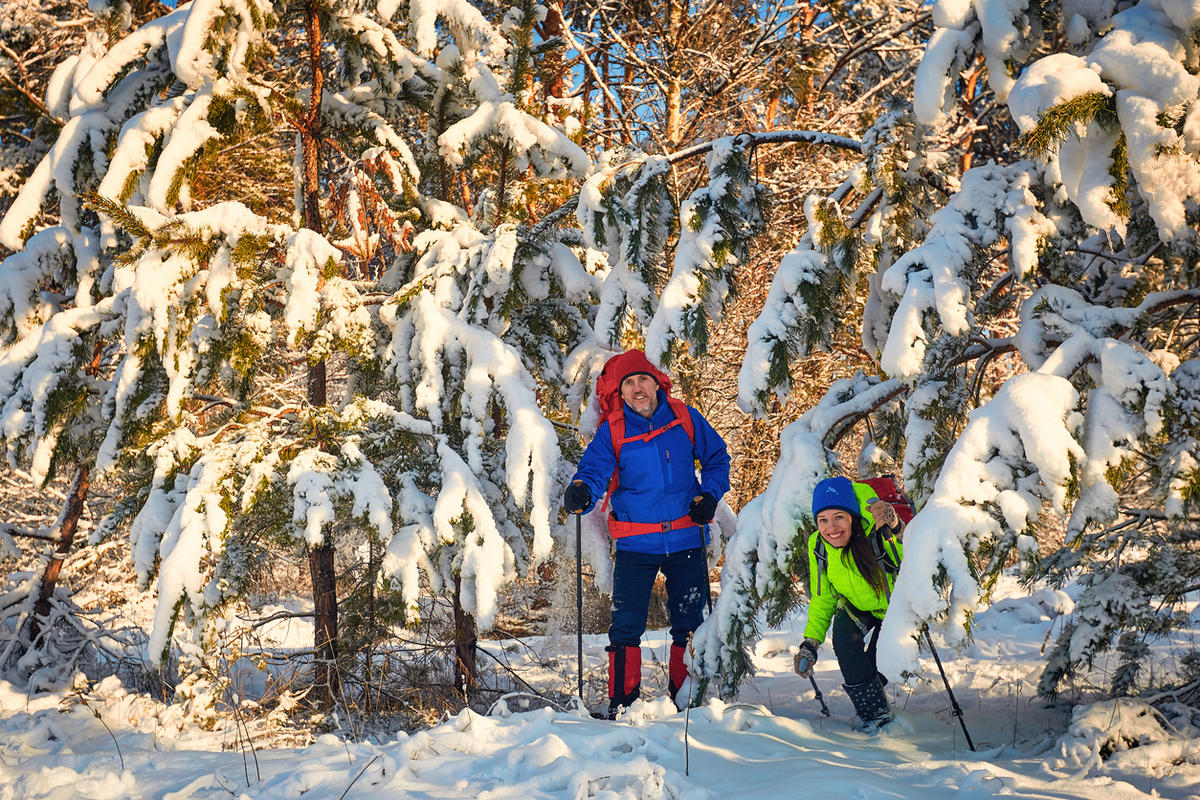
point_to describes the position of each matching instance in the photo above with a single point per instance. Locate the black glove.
(805, 658)
(577, 497)
(702, 509)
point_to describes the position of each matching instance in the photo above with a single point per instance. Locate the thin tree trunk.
(466, 639)
(502, 192)
(675, 13)
(325, 619)
(320, 559)
(68, 523)
(553, 64)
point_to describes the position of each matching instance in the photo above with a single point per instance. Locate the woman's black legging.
(855, 654)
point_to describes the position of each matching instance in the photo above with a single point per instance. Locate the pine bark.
(674, 99)
(68, 525)
(554, 64)
(320, 559)
(466, 640)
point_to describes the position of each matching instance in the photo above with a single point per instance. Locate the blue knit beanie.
(835, 493)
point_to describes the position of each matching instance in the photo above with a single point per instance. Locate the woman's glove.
(805, 658)
(702, 509)
(576, 498)
(884, 515)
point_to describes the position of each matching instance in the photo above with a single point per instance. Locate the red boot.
(677, 670)
(624, 676)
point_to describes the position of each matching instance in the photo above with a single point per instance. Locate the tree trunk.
(320, 559)
(674, 99)
(554, 66)
(68, 523)
(325, 622)
(466, 638)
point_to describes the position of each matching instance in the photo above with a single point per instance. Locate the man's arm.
(710, 451)
(597, 465)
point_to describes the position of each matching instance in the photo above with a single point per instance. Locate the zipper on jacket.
(666, 485)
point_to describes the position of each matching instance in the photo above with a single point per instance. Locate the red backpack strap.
(616, 429)
(684, 417)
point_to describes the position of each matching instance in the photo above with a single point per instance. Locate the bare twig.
(33, 99)
(374, 758)
(868, 46)
(96, 714)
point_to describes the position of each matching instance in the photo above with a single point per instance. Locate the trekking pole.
(953, 701)
(579, 599)
(704, 550)
(820, 699)
(813, 680)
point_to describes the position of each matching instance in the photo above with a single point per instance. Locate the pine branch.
(1060, 121)
(118, 213)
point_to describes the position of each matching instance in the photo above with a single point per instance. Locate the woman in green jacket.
(852, 559)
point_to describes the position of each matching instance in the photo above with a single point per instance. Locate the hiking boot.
(870, 703)
(624, 677)
(678, 678)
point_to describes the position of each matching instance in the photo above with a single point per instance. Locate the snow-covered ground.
(774, 742)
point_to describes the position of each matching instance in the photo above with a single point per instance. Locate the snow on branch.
(933, 285)
(23, 307)
(216, 39)
(1116, 105)
(471, 31)
(1015, 453)
(716, 225)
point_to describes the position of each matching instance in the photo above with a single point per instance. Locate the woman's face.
(834, 525)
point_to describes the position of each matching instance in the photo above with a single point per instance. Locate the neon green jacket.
(841, 582)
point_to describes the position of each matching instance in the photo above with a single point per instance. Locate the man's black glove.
(702, 509)
(577, 497)
(805, 658)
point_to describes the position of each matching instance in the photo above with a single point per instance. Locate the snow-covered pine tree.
(480, 312)
(1081, 260)
(137, 330)
(154, 340)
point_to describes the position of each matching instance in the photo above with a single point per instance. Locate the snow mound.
(1123, 733)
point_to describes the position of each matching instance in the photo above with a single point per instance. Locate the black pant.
(855, 654)
(633, 579)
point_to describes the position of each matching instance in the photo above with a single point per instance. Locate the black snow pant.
(854, 636)
(855, 654)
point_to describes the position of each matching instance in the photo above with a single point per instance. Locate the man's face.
(834, 525)
(640, 392)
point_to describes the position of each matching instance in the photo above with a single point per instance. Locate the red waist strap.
(618, 529)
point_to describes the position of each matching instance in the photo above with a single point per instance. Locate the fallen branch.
(24, 533)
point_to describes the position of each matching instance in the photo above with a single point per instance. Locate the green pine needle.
(1061, 121)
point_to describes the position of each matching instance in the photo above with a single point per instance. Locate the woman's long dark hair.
(864, 557)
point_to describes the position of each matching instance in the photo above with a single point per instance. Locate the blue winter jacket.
(657, 480)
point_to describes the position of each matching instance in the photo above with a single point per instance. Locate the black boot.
(870, 703)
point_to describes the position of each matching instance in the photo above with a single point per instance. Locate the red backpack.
(889, 492)
(612, 408)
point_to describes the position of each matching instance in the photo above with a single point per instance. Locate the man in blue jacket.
(660, 512)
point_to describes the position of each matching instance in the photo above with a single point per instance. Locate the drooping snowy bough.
(1039, 318)
(156, 334)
